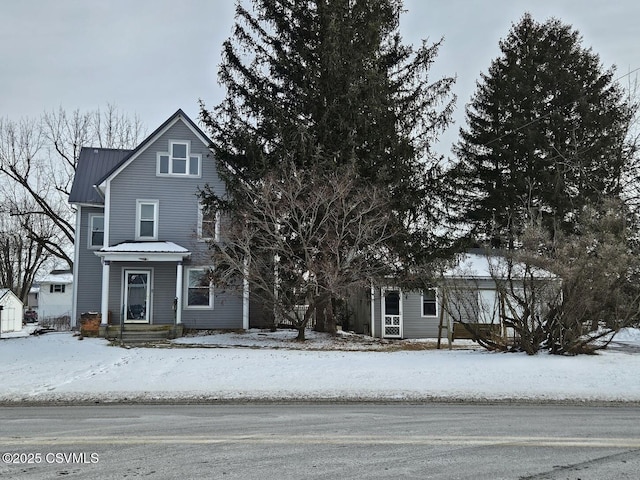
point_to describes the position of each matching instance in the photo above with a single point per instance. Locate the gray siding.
(89, 272)
(177, 196)
(414, 325)
(177, 222)
(226, 311)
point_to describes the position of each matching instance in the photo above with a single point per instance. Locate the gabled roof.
(151, 138)
(93, 164)
(6, 293)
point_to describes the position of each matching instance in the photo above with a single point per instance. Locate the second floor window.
(96, 231)
(147, 220)
(179, 160)
(208, 224)
(56, 288)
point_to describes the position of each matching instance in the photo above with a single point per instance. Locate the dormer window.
(179, 160)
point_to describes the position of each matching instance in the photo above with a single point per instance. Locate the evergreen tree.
(545, 135)
(322, 86)
(329, 83)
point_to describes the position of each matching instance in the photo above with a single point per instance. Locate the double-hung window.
(208, 223)
(179, 160)
(147, 220)
(199, 292)
(429, 303)
(96, 231)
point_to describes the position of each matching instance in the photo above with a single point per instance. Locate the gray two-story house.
(141, 246)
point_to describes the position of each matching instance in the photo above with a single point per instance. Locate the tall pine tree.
(323, 86)
(545, 135)
(329, 83)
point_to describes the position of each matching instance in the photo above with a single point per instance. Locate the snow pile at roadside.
(57, 366)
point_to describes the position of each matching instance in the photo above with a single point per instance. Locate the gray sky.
(151, 57)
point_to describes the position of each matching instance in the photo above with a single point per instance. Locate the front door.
(137, 296)
(392, 313)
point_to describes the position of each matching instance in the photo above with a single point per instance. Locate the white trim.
(107, 213)
(186, 305)
(422, 315)
(216, 228)
(90, 245)
(104, 293)
(156, 214)
(149, 296)
(143, 256)
(245, 293)
(373, 310)
(76, 262)
(170, 161)
(178, 299)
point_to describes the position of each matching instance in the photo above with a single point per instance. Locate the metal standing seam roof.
(93, 164)
(96, 164)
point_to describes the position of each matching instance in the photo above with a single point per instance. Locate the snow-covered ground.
(270, 366)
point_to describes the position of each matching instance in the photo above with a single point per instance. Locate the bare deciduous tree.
(305, 237)
(38, 159)
(592, 294)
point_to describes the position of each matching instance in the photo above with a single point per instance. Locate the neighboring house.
(12, 310)
(55, 295)
(32, 297)
(467, 293)
(141, 247)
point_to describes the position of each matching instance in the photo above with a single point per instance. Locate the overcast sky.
(151, 57)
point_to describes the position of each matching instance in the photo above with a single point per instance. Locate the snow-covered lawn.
(261, 365)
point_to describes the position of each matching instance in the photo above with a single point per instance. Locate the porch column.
(104, 307)
(179, 269)
(245, 295)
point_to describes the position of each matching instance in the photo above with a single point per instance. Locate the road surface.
(323, 441)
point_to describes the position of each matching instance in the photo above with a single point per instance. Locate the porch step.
(138, 334)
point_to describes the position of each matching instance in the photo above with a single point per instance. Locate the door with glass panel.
(391, 313)
(137, 296)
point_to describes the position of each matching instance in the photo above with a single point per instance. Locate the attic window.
(179, 160)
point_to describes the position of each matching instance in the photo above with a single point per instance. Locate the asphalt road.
(324, 441)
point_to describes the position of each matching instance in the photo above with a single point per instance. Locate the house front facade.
(55, 295)
(141, 246)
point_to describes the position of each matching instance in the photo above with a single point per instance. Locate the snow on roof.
(145, 247)
(474, 265)
(57, 278)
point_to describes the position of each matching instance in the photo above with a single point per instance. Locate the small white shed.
(12, 311)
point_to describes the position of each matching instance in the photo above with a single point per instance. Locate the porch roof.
(144, 252)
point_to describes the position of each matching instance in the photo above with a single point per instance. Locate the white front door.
(391, 313)
(137, 296)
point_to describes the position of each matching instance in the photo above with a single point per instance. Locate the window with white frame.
(208, 223)
(96, 231)
(199, 289)
(429, 303)
(179, 160)
(146, 219)
(56, 288)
